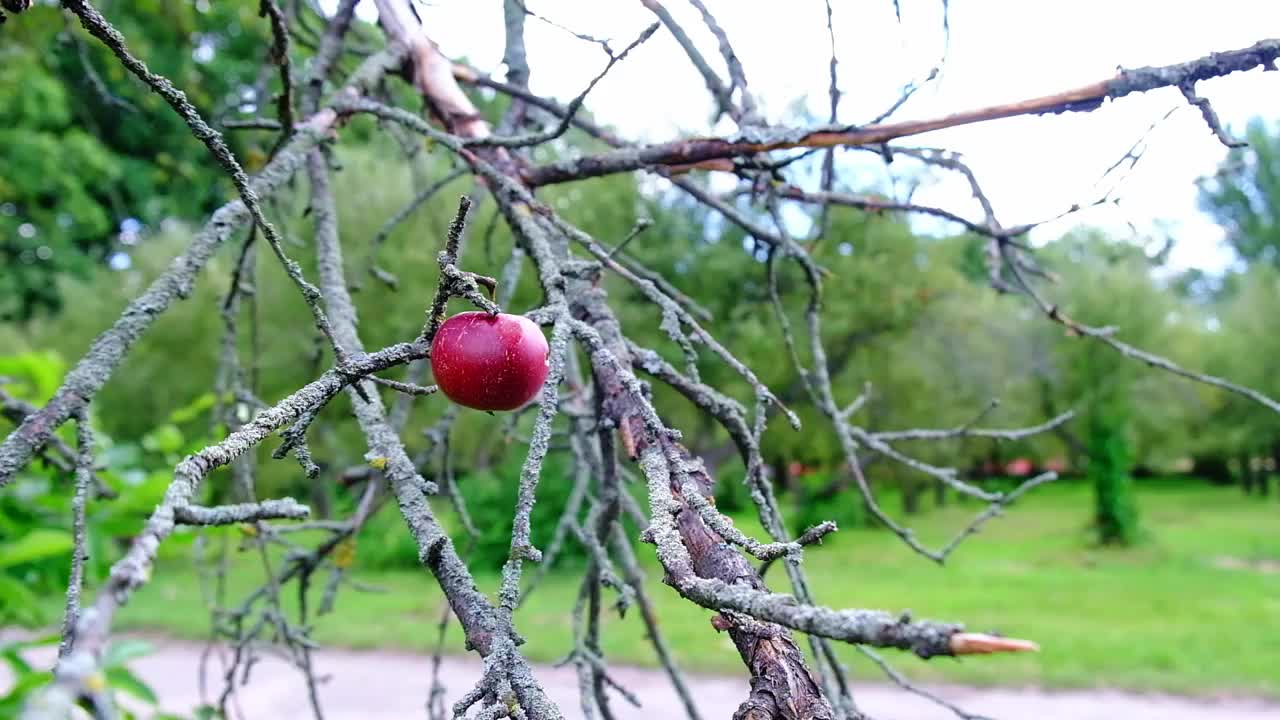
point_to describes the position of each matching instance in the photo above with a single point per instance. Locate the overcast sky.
(999, 50)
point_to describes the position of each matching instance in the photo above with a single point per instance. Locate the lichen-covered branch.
(282, 509)
(79, 548)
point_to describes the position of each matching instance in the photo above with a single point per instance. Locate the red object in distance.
(489, 362)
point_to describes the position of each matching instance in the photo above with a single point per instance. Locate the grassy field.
(1194, 609)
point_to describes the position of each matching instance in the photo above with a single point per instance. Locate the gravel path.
(381, 685)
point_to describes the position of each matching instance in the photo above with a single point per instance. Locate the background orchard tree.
(648, 360)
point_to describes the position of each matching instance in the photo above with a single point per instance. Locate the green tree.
(91, 158)
(1115, 513)
(1244, 346)
(1130, 415)
(1244, 196)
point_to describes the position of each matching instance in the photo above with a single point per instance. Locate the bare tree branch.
(706, 152)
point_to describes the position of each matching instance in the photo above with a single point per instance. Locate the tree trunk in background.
(781, 477)
(321, 500)
(1246, 474)
(939, 495)
(1115, 510)
(1076, 450)
(1215, 469)
(912, 489)
(1275, 464)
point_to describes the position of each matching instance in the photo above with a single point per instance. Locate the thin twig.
(79, 548)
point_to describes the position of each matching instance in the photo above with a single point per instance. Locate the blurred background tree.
(92, 159)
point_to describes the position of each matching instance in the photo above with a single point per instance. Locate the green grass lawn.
(1170, 614)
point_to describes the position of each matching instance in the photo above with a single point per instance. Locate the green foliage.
(490, 494)
(491, 499)
(35, 513)
(1244, 196)
(385, 544)
(26, 678)
(41, 373)
(92, 157)
(906, 313)
(115, 674)
(33, 546)
(815, 503)
(731, 491)
(1243, 346)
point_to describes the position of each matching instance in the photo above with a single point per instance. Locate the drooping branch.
(1106, 336)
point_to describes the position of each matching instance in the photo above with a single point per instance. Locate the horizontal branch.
(404, 387)
(862, 627)
(282, 509)
(1106, 336)
(964, 431)
(876, 204)
(695, 151)
(947, 476)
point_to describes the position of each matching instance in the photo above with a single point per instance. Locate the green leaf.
(36, 545)
(18, 603)
(22, 687)
(165, 439)
(123, 680)
(9, 652)
(141, 498)
(193, 409)
(208, 712)
(122, 651)
(18, 665)
(42, 370)
(50, 639)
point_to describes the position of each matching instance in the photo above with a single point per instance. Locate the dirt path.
(380, 685)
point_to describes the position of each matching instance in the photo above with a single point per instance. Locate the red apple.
(490, 362)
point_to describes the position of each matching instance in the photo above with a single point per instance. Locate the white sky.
(1000, 50)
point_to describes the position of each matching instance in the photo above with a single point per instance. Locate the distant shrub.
(813, 503)
(490, 494)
